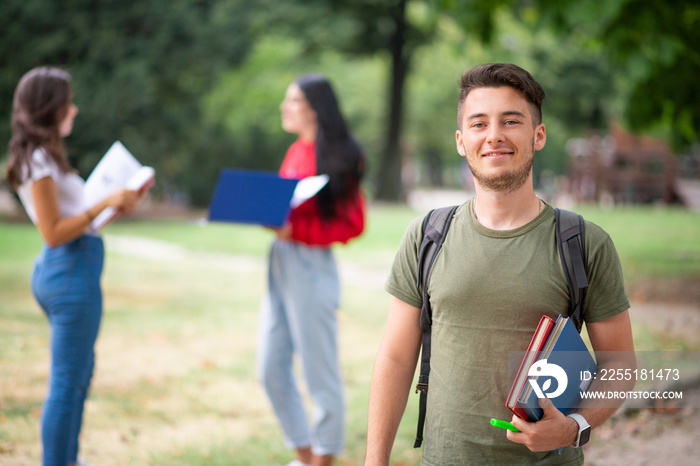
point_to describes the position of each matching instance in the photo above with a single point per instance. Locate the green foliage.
(653, 47)
(138, 73)
(191, 86)
(246, 100)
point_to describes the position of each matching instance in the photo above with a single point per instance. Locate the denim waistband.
(86, 244)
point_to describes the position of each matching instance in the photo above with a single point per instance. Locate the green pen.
(503, 425)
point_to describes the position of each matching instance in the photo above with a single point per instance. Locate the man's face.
(498, 139)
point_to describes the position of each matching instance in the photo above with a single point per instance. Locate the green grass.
(385, 226)
(175, 381)
(657, 242)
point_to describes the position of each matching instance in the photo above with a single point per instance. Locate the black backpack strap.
(435, 226)
(570, 234)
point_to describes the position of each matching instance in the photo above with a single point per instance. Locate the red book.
(538, 340)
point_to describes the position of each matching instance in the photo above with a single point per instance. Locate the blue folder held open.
(258, 197)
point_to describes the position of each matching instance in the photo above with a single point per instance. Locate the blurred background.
(191, 86)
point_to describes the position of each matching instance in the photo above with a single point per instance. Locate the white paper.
(117, 169)
(307, 188)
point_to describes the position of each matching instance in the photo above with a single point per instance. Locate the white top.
(71, 201)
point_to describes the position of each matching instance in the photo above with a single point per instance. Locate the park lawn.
(653, 242)
(175, 380)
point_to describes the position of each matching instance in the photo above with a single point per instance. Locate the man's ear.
(540, 136)
(460, 145)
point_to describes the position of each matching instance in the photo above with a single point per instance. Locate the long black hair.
(338, 154)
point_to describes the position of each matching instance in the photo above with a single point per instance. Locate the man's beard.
(507, 182)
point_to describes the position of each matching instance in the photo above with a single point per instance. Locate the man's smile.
(497, 153)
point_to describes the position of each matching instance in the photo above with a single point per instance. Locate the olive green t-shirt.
(488, 290)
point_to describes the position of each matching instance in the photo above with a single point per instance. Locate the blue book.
(258, 197)
(563, 370)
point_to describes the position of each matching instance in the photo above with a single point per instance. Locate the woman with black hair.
(298, 313)
(66, 276)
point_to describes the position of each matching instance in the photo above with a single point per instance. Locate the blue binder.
(249, 196)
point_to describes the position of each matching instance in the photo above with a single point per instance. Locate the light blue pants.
(298, 316)
(66, 284)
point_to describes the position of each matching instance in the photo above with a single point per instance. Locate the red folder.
(539, 338)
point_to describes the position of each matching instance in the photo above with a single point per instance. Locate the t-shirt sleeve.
(404, 271)
(606, 295)
(41, 167)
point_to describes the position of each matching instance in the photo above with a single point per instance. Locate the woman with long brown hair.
(66, 276)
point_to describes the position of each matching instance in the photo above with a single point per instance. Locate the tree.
(661, 38)
(395, 28)
(653, 47)
(367, 27)
(138, 74)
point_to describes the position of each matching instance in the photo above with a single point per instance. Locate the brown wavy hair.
(41, 102)
(502, 75)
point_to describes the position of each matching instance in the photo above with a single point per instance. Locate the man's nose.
(495, 134)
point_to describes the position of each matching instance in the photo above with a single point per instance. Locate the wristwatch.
(584, 430)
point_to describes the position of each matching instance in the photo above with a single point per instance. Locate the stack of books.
(557, 365)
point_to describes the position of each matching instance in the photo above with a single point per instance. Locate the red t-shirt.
(308, 226)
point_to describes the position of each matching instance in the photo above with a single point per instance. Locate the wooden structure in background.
(621, 168)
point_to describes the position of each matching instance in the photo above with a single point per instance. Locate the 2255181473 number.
(637, 374)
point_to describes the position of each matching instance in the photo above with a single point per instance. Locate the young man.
(498, 272)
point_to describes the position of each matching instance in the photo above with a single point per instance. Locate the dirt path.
(647, 437)
(662, 435)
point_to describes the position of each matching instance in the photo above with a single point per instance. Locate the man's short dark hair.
(501, 75)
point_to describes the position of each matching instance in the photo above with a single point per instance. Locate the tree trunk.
(388, 186)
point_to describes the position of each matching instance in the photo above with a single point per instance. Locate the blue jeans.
(66, 284)
(298, 315)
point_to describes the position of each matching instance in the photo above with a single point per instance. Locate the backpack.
(569, 232)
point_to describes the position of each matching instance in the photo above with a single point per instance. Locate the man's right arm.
(392, 376)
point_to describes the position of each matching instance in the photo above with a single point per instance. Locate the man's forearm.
(598, 410)
(391, 383)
